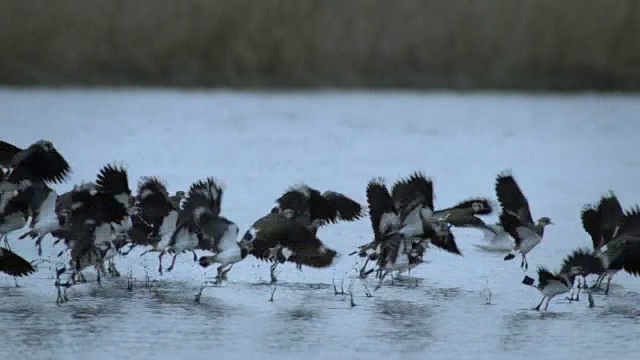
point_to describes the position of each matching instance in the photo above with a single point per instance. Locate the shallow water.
(564, 150)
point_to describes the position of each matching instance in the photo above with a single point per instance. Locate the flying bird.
(516, 218)
(551, 284)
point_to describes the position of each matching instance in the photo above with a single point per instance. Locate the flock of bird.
(101, 219)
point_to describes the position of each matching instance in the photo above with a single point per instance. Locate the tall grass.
(526, 44)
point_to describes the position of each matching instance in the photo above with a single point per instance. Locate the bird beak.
(551, 223)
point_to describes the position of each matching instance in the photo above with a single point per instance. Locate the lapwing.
(600, 221)
(88, 231)
(622, 251)
(204, 228)
(516, 218)
(15, 216)
(551, 284)
(157, 218)
(40, 161)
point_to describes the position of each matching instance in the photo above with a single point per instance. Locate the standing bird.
(551, 285)
(516, 218)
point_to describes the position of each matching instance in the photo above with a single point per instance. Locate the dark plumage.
(551, 285)
(14, 265)
(41, 161)
(516, 218)
(279, 238)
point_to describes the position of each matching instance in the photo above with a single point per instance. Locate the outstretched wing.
(511, 198)
(14, 265)
(412, 192)
(446, 242)
(382, 212)
(610, 213)
(42, 161)
(346, 208)
(585, 260)
(113, 179)
(204, 194)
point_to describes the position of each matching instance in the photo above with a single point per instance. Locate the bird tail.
(528, 281)
(206, 261)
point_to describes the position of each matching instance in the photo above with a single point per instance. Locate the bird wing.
(220, 234)
(591, 224)
(610, 213)
(382, 212)
(446, 242)
(7, 153)
(412, 192)
(346, 208)
(512, 199)
(474, 206)
(205, 194)
(44, 162)
(14, 265)
(113, 179)
(584, 259)
(545, 277)
(516, 229)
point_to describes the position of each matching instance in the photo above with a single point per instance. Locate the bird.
(516, 218)
(622, 250)
(213, 232)
(88, 233)
(41, 161)
(588, 263)
(600, 221)
(551, 284)
(410, 208)
(288, 233)
(308, 205)
(157, 218)
(14, 265)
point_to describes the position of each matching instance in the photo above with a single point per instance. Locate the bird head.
(544, 221)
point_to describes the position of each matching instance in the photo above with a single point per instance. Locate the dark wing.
(446, 242)
(298, 198)
(511, 223)
(610, 213)
(628, 233)
(43, 161)
(545, 277)
(512, 199)
(583, 259)
(347, 209)
(153, 201)
(205, 194)
(7, 153)
(113, 179)
(390, 247)
(591, 224)
(382, 212)
(411, 192)
(475, 206)
(219, 234)
(14, 265)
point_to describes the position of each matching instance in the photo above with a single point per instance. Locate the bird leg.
(272, 272)
(524, 265)
(598, 281)
(382, 278)
(112, 269)
(39, 245)
(173, 261)
(537, 308)
(224, 273)
(160, 262)
(195, 256)
(546, 306)
(606, 290)
(364, 274)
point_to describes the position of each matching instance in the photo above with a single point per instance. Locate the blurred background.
(454, 44)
